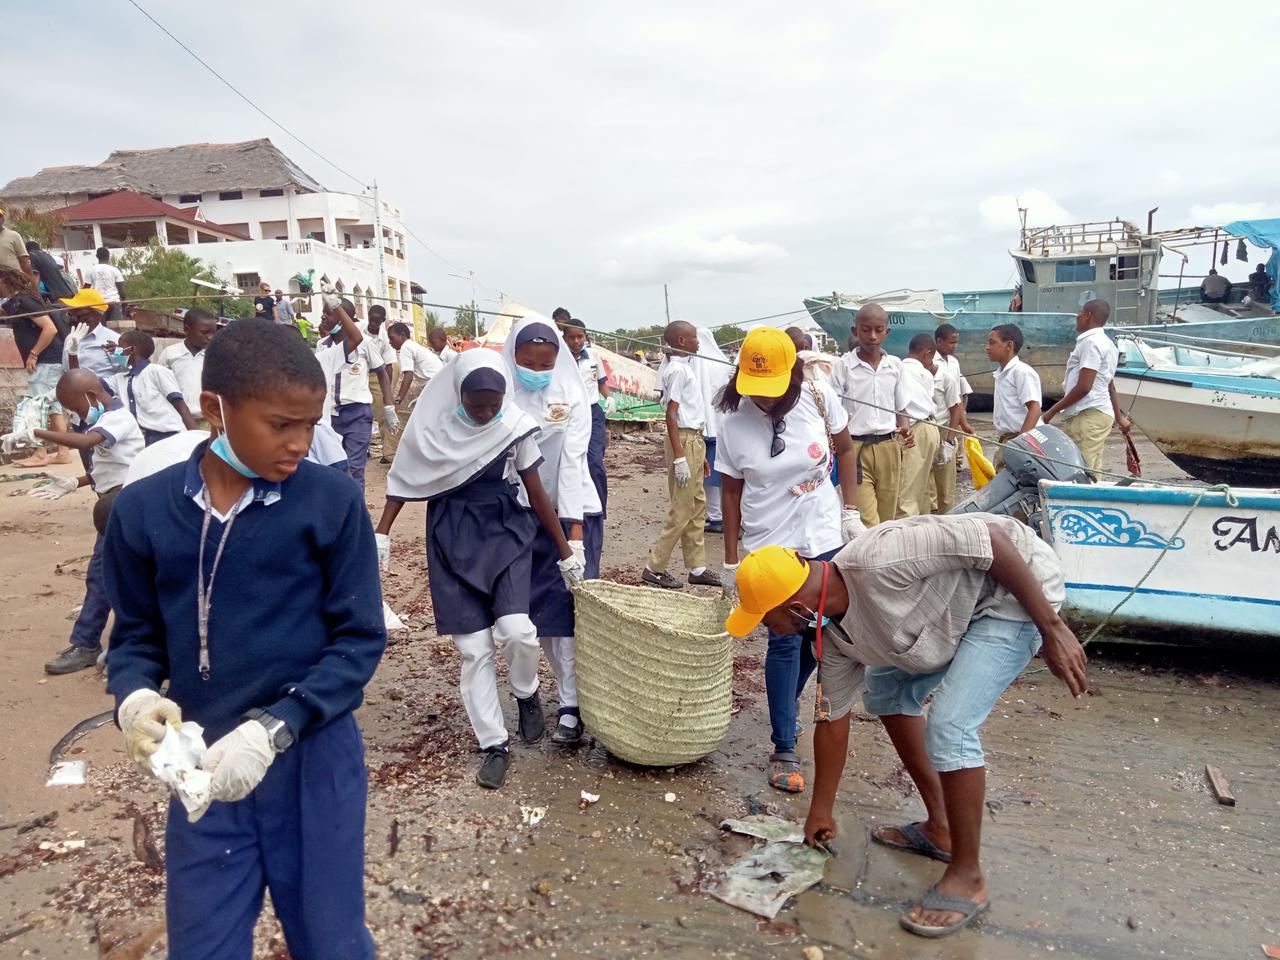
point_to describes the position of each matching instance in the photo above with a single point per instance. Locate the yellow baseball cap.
(88, 297)
(767, 577)
(765, 362)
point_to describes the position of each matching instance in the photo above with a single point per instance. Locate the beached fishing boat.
(1061, 268)
(1217, 575)
(1213, 413)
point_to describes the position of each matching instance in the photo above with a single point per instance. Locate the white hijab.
(440, 451)
(563, 412)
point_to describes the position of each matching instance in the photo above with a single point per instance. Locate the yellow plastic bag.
(981, 468)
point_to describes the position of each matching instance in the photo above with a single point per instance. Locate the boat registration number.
(897, 320)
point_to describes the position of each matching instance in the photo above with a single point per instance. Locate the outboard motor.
(1014, 490)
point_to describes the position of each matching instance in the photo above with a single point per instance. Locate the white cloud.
(999, 211)
(1220, 213)
(671, 254)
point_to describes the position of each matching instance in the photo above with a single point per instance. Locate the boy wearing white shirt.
(346, 361)
(1016, 404)
(186, 358)
(1089, 406)
(872, 388)
(149, 390)
(947, 340)
(686, 452)
(438, 341)
(917, 460)
(417, 364)
(382, 379)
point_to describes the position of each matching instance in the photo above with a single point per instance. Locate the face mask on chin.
(220, 447)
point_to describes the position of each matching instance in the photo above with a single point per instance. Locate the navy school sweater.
(296, 624)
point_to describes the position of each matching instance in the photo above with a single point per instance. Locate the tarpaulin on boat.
(1263, 233)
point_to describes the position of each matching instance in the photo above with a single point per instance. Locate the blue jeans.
(788, 664)
(990, 656)
(92, 620)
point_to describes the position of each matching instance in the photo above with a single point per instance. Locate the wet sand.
(1101, 840)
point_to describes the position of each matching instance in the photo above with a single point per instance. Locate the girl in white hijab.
(549, 389)
(473, 455)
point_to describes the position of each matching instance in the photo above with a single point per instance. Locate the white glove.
(143, 716)
(21, 437)
(72, 340)
(239, 761)
(383, 540)
(391, 419)
(682, 472)
(851, 525)
(729, 581)
(55, 489)
(572, 570)
(610, 405)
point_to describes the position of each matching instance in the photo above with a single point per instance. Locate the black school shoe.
(714, 526)
(664, 580)
(493, 770)
(533, 724)
(72, 660)
(564, 736)
(707, 578)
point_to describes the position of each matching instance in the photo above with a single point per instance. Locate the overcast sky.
(747, 154)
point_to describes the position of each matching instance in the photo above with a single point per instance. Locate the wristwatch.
(277, 730)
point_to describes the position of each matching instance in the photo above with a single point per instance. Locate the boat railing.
(1081, 237)
(1171, 339)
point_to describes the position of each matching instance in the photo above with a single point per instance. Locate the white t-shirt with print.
(788, 500)
(103, 277)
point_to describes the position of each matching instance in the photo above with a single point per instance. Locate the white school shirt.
(148, 395)
(919, 390)
(421, 361)
(593, 374)
(188, 368)
(1093, 351)
(103, 277)
(346, 373)
(953, 367)
(679, 383)
(871, 395)
(789, 499)
(108, 462)
(946, 394)
(1016, 386)
(447, 354)
(380, 346)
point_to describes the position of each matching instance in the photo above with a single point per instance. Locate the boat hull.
(1216, 578)
(1212, 428)
(1050, 337)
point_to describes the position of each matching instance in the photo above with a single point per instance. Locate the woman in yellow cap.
(778, 438)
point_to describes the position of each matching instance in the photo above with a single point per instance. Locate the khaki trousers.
(881, 466)
(998, 462)
(1089, 430)
(917, 465)
(389, 443)
(688, 512)
(942, 483)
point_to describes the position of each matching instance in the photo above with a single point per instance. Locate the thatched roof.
(190, 168)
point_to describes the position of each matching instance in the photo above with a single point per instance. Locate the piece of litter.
(766, 828)
(532, 816)
(670, 798)
(176, 764)
(587, 799)
(59, 847)
(812, 953)
(67, 773)
(389, 619)
(765, 879)
(1271, 950)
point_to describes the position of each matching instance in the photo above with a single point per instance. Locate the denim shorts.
(45, 381)
(990, 656)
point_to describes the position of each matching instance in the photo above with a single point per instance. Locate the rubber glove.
(682, 472)
(579, 552)
(143, 715)
(239, 761)
(331, 301)
(21, 437)
(72, 340)
(729, 581)
(391, 419)
(383, 541)
(55, 489)
(851, 525)
(572, 570)
(610, 405)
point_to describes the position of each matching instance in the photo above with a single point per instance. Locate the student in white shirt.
(1016, 403)
(596, 382)
(686, 452)
(947, 340)
(186, 358)
(107, 280)
(871, 386)
(384, 379)
(150, 391)
(417, 364)
(438, 341)
(346, 362)
(919, 374)
(1089, 406)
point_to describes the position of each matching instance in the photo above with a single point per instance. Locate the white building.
(295, 228)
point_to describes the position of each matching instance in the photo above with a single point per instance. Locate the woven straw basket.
(655, 672)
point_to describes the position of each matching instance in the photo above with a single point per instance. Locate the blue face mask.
(220, 446)
(811, 621)
(471, 421)
(96, 410)
(533, 379)
(119, 359)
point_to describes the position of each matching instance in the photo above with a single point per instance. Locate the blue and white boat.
(1216, 577)
(1061, 268)
(1215, 414)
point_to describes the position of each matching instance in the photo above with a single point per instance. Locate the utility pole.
(667, 300)
(383, 291)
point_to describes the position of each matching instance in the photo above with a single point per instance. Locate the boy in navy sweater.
(264, 613)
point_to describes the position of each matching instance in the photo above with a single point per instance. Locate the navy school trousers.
(354, 423)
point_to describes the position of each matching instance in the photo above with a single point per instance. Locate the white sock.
(568, 720)
(697, 571)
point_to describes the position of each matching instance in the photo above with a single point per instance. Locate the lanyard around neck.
(204, 594)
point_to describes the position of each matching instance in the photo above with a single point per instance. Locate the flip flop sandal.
(917, 842)
(786, 774)
(933, 900)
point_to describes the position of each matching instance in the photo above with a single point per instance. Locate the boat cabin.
(1063, 267)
